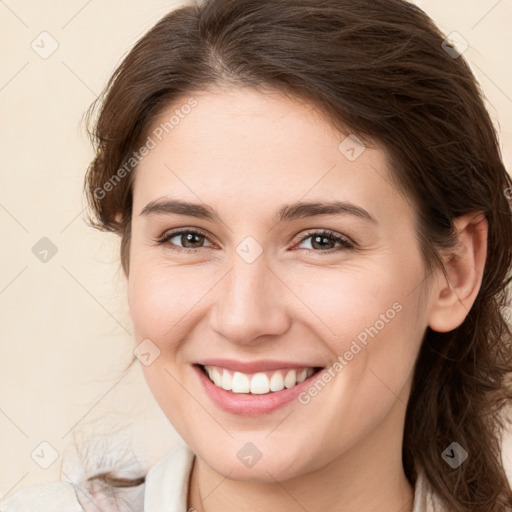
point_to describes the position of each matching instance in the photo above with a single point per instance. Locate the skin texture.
(246, 153)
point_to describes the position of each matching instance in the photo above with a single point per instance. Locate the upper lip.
(253, 366)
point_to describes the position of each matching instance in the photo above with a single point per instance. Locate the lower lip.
(248, 404)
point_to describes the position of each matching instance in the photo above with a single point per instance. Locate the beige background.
(65, 334)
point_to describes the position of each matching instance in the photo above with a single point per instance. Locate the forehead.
(250, 148)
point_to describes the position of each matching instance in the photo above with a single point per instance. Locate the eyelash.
(346, 243)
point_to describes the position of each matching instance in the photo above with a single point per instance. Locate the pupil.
(320, 239)
(189, 237)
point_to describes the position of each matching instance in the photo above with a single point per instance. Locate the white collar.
(167, 481)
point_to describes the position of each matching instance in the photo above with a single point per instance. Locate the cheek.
(159, 300)
(155, 301)
(345, 302)
(370, 317)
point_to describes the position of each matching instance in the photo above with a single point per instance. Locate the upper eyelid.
(177, 231)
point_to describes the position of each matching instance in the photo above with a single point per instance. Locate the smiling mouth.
(260, 383)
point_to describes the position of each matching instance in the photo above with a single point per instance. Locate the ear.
(454, 295)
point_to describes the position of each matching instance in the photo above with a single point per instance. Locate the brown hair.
(383, 69)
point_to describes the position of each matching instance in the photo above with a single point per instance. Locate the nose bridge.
(249, 305)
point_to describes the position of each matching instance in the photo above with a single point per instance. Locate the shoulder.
(69, 497)
(167, 481)
(177, 462)
(52, 497)
(425, 499)
(165, 487)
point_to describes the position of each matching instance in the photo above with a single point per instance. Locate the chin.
(242, 461)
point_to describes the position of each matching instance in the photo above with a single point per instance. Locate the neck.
(369, 476)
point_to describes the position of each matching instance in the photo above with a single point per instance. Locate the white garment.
(165, 490)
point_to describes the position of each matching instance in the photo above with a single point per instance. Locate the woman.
(316, 232)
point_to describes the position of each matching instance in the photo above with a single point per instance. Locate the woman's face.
(274, 283)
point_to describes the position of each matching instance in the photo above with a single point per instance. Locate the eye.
(325, 239)
(190, 239)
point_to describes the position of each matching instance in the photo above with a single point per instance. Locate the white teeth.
(216, 376)
(301, 376)
(290, 379)
(240, 383)
(227, 380)
(276, 382)
(259, 383)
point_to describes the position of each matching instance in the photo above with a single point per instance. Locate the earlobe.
(455, 293)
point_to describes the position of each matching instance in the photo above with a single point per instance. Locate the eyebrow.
(287, 212)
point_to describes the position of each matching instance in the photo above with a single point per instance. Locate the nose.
(251, 303)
